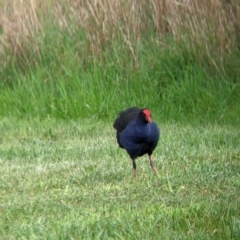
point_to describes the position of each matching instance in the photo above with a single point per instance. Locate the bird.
(137, 134)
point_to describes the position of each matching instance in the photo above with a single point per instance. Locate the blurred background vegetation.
(91, 58)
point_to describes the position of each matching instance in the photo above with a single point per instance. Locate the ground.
(70, 180)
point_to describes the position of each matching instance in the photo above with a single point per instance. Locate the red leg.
(152, 164)
(134, 168)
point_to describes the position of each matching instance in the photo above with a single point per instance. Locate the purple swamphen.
(137, 134)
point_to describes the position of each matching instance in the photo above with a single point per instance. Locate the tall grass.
(73, 59)
(205, 26)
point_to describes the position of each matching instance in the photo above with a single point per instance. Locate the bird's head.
(146, 115)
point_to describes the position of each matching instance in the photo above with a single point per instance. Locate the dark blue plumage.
(137, 134)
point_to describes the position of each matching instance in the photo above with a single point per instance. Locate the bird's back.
(124, 118)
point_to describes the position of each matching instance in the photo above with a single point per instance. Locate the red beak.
(148, 118)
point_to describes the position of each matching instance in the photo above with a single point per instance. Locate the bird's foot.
(134, 173)
(153, 166)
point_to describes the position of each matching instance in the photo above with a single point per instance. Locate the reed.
(208, 28)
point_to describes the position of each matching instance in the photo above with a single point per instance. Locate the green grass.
(176, 88)
(69, 180)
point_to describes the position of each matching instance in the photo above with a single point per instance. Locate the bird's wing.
(125, 117)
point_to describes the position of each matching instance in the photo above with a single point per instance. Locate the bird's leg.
(152, 164)
(134, 168)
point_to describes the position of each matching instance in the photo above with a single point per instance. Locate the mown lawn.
(69, 180)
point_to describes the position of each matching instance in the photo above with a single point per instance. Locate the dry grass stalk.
(207, 24)
(20, 24)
